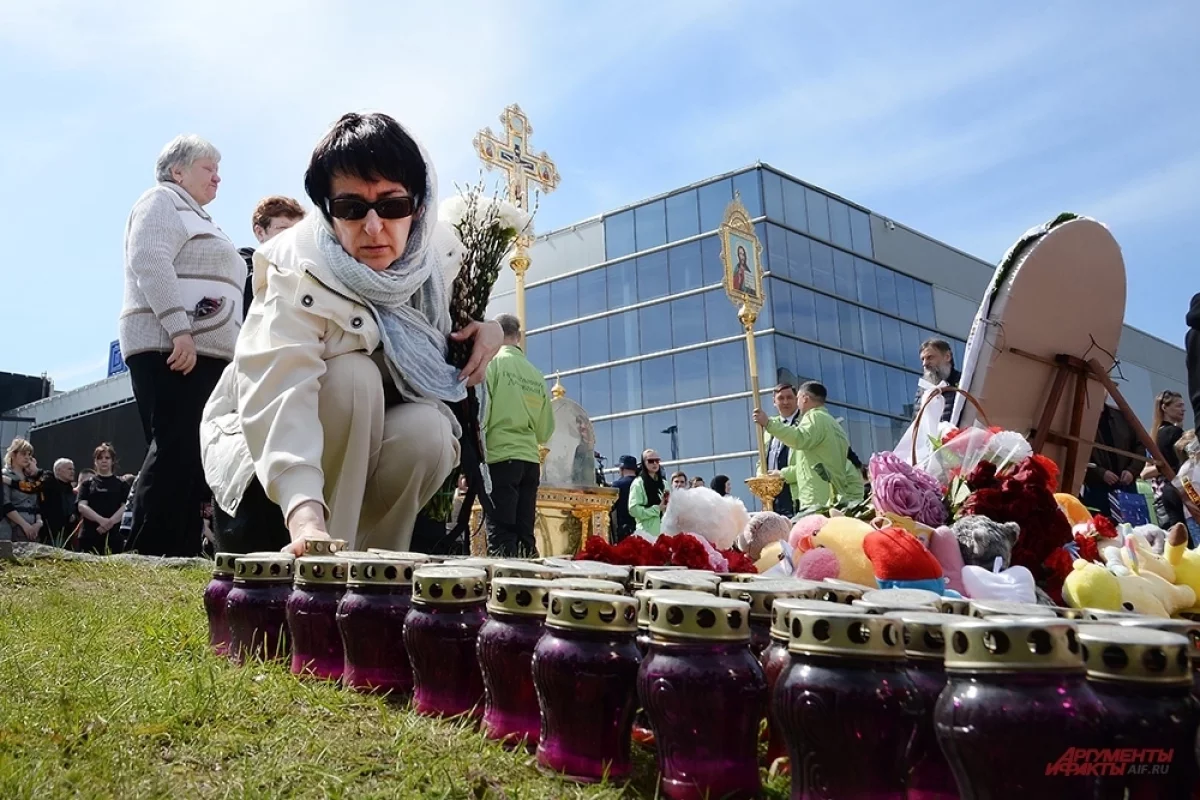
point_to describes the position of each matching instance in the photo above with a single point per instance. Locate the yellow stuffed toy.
(1185, 562)
(843, 537)
(1091, 586)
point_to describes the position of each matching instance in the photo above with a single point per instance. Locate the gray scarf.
(410, 303)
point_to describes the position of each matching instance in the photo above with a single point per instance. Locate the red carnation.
(739, 561)
(1088, 549)
(951, 435)
(1104, 526)
(983, 476)
(1051, 471)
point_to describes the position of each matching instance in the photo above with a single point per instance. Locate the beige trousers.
(381, 465)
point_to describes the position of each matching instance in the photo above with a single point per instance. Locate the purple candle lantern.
(1190, 629)
(845, 704)
(929, 776)
(215, 595)
(760, 595)
(642, 733)
(256, 607)
(1016, 701)
(705, 694)
(516, 612)
(440, 634)
(312, 617)
(775, 658)
(1143, 678)
(585, 672)
(370, 618)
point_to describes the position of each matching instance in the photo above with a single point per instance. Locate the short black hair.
(367, 146)
(815, 389)
(783, 386)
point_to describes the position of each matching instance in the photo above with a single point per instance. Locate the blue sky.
(970, 125)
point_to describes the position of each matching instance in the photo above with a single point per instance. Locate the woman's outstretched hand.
(488, 338)
(307, 521)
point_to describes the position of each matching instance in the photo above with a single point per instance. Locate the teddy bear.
(834, 550)
(981, 541)
(763, 538)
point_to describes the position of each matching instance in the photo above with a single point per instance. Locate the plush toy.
(1155, 536)
(843, 537)
(982, 541)
(1091, 586)
(1014, 584)
(1075, 512)
(1137, 556)
(805, 527)
(1151, 595)
(923, 532)
(901, 561)
(705, 513)
(1185, 562)
(944, 546)
(763, 529)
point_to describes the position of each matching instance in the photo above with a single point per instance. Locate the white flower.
(453, 209)
(1006, 448)
(512, 217)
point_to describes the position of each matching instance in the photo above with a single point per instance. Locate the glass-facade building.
(646, 340)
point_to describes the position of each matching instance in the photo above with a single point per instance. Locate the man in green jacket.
(518, 419)
(818, 471)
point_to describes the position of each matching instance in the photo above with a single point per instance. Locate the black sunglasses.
(388, 208)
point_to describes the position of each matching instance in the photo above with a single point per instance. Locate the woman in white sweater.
(179, 323)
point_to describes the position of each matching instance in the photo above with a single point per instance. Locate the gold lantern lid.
(528, 597)
(375, 570)
(476, 562)
(267, 554)
(744, 577)
(1104, 615)
(583, 584)
(323, 547)
(840, 591)
(694, 616)
(266, 568)
(321, 569)
(223, 564)
(400, 555)
(924, 637)
(449, 585)
(780, 630)
(686, 580)
(1023, 644)
(761, 594)
(991, 608)
(1121, 653)
(877, 601)
(597, 569)
(644, 596)
(954, 605)
(844, 632)
(515, 568)
(640, 573)
(351, 555)
(1190, 629)
(592, 611)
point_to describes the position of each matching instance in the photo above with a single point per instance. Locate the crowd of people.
(53, 506)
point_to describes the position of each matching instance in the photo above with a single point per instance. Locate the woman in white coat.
(332, 419)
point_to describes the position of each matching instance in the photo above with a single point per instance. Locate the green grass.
(107, 689)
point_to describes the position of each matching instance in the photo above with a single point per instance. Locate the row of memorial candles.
(880, 693)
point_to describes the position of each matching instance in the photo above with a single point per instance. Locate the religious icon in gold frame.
(741, 254)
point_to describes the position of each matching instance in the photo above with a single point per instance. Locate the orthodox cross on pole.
(521, 167)
(514, 157)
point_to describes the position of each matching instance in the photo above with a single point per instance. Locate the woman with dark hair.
(333, 418)
(720, 485)
(648, 495)
(1166, 426)
(102, 505)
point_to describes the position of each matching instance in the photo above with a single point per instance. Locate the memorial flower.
(897, 488)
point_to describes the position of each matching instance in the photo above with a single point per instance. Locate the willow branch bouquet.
(488, 228)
